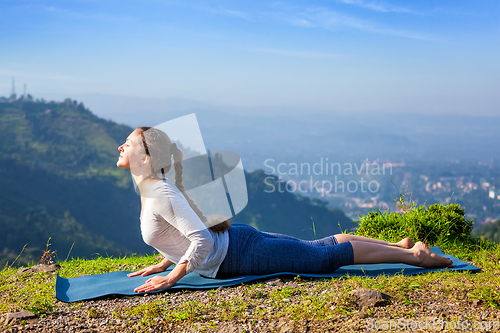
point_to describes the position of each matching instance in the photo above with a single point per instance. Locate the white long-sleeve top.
(171, 226)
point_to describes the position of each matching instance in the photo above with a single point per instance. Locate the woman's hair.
(161, 150)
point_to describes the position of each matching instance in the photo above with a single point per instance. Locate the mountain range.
(59, 180)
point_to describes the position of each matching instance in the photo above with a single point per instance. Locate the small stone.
(22, 270)
(46, 268)
(37, 269)
(275, 282)
(18, 316)
(368, 297)
(476, 302)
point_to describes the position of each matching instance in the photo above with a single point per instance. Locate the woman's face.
(131, 152)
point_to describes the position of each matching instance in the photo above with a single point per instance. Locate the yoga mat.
(118, 283)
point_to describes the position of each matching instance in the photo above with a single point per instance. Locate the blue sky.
(333, 55)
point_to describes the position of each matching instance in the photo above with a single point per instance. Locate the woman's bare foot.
(428, 259)
(405, 243)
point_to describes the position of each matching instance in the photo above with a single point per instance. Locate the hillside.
(59, 179)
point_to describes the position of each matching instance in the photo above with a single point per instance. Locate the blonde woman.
(173, 224)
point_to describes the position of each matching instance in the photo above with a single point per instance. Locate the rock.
(275, 282)
(22, 270)
(37, 269)
(368, 297)
(46, 268)
(18, 316)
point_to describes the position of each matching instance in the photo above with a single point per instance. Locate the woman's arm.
(163, 282)
(157, 268)
(176, 211)
(170, 207)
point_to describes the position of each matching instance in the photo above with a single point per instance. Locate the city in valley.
(473, 185)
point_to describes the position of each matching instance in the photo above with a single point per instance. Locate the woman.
(173, 224)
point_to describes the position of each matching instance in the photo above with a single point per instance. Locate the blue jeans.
(252, 252)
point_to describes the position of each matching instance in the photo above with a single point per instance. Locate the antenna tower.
(13, 86)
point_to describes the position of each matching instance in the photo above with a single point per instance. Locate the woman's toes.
(406, 243)
(428, 259)
(421, 245)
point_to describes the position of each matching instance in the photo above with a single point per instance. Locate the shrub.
(435, 225)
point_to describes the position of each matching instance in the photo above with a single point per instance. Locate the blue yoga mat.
(118, 283)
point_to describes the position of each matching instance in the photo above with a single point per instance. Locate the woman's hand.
(163, 282)
(147, 271)
(153, 269)
(155, 283)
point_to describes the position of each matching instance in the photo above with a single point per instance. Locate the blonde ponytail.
(222, 225)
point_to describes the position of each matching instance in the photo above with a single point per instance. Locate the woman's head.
(147, 151)
(131, 152)
(158, 146)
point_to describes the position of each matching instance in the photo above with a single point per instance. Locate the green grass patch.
(437, 224)
(35, 291)
(327, 299)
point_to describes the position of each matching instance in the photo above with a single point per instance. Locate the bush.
(435, 225)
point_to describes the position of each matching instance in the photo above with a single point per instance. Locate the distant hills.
(59, 179)
(303, 134)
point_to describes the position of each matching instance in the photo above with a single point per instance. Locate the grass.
(300, 300)
(35, 291)
(327, 300)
